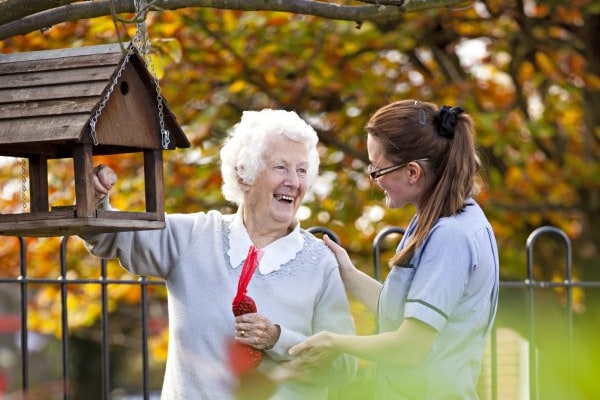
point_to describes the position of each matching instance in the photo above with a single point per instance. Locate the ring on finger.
(242, 333)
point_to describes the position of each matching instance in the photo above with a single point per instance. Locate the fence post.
(64, 318)
(377, 247)
(325, 231)
(145, 352)
(104, 326)
(531, 284)
(24, 315)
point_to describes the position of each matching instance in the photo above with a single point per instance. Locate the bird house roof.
(48, 98)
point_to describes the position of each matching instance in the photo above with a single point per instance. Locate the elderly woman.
(268, 163)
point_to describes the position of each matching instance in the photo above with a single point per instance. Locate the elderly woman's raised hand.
(104, 179)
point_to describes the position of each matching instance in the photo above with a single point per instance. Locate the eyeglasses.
(378, 173)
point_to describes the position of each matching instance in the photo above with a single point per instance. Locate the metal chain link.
(94, 119)
(140, 41)
(24, 182)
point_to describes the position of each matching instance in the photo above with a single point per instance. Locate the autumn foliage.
(528, 73)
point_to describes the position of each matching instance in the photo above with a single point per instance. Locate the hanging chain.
(24, 182)
(141, 41)
(94, 119)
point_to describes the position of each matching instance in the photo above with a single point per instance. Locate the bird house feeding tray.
(79, 103)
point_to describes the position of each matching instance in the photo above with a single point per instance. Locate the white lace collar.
(275, 254)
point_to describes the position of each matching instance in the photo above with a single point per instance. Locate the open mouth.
(284, 198)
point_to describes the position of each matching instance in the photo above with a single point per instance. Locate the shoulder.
(201, 216)
(198, 222)
(311, 242)
(316, 249)
(466, 223)
(448, 228)
(450, 235)
(463, 233)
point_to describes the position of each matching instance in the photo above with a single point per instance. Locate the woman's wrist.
(274, 332)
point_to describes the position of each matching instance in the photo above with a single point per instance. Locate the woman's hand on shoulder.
(344, 263)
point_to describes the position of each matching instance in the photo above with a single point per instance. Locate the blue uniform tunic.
(451, 284)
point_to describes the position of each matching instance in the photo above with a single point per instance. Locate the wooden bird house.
(79, 103)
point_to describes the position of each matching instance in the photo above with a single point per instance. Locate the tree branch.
(252, 76)
(13, 10)
(12, 24)
(329, 138)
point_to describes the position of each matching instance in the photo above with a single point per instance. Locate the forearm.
(140, 252)
(101, 244)
(384, 349)
(406, 347)
(362, 287)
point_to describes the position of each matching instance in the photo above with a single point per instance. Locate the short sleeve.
(444, 264)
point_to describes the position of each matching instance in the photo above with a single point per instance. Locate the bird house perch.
(48, 102)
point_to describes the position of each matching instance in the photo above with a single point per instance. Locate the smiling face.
(271, 203)
(400, 186)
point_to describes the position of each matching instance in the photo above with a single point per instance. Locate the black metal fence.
(517, 379)
(25, 283)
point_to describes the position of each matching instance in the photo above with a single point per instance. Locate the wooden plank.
(68, 212)
(65, 91)
(154, 181)
(37, 216)
(177, 136)
(59, 149)
(55, 64)
(131, 116)
(42, 129)
(48, 107)
(45, 149)
(129, 215)
(90, 74)
(84, 186)
(38, 183)
(62, 53)
(74, 226)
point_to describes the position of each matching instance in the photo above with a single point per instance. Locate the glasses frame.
(378, 173)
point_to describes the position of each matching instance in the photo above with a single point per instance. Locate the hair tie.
(446, 120)
(422, 116)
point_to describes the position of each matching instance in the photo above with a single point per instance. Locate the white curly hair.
(244, 151)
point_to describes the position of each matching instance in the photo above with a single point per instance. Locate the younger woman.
(438, 303)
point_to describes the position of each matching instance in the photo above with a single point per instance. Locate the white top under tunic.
(451, 284)
(297, 286)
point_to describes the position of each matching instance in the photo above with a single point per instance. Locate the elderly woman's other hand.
(256, 330)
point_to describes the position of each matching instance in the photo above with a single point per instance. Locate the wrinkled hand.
(256, 330)
(104, 179)
(312, 354)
